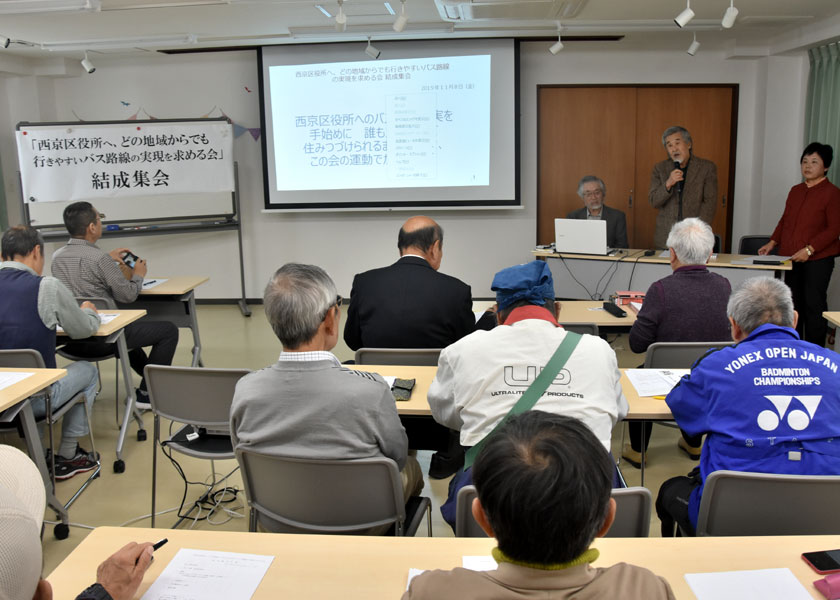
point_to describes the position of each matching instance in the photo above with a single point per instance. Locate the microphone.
(681, 182)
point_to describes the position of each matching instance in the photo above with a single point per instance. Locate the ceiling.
(238, 23)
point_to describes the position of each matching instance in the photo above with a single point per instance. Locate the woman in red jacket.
(808, 232)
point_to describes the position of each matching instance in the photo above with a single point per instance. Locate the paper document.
(637, 306)
(103, 319)
(766, 584)
(390, 379)
(10, 378)
(412, 573)
(150, 283)
(655, 382)
(479, 563)
(205, 574)
(750, 260)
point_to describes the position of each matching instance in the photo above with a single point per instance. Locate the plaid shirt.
(91, 272)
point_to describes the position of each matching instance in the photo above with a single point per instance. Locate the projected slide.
(385, 124)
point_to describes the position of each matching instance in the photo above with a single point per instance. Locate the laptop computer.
(580, 236)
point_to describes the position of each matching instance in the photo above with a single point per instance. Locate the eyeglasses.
(594, 194)
(337, 304)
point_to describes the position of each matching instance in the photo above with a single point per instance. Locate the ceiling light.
(558, 45)
(729, 16)
(401, 21)
(87, 65)
(685, 16)
(117, 43)
(16, 7)
(389, 9)
(372, 50)
(324, 11)
(340, 18)
(4, 41)
(695, 45)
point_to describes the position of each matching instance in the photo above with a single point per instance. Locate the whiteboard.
(129, 170)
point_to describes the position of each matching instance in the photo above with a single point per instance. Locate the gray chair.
(100, 304)
(750, 244)
(32, 359)
(632, 515)
(678, 355)
(419, 357)
(307, 495)
(736, 503)
(199, 399)
(581, 328)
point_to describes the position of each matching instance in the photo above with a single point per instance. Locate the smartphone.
(130, 259)
(827, 561)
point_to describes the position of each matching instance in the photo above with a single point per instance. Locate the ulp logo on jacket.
(797, 419)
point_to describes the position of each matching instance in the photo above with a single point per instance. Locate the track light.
(402, 20)
(87, 65)
(340, 18)
(685, 16)
(558, 45)
(4, 41)
(694, 47)
(372, 50)
(729, 16)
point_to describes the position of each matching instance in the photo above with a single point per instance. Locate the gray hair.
(692, 240)
(590, 179)
(761, 300)
(677, 129)
(296, 300)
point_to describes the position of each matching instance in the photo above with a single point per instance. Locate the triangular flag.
(255, 132)
(238, 130)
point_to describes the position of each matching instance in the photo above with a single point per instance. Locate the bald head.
(422, 236)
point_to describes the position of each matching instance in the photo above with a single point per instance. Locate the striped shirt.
(91, 273)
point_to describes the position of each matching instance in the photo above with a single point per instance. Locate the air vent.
(460, 11)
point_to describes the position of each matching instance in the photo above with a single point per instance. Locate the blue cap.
(531, 281)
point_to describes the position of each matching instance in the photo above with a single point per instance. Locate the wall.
(477, 243)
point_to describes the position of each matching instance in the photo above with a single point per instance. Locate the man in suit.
(410, 304)
(593, 192)
(681, 186)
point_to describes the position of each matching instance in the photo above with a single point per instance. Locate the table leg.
(196, 350)
(36, 453)
(644, 445)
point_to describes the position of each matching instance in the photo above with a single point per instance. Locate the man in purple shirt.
(687, 306)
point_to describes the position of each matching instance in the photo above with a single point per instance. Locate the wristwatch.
(808, 250)
(94, 592)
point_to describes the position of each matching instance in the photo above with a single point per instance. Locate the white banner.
(89, 161)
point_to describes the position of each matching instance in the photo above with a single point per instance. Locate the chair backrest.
(416, 357)
(99, 303)
(465, 523)
(198, 396)
(581, 328)
(632, 516)
(736, 503)
(750, 244)
(23, 358)
(718, 244)
(678, 355)
(307, 495)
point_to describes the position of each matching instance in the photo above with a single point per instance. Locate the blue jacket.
(769, 404)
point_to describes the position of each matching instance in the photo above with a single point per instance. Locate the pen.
(155, 546)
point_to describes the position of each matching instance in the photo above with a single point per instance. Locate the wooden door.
(584, 131)
(707, 113)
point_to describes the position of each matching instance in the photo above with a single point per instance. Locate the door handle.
(630, 199)
(723, 200)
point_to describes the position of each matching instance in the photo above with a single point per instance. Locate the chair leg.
(117, 391)
(155, 443)
(429, 518)
(252, 520)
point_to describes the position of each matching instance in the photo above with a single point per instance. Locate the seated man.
(30, 308)
(94, 273)
(22, 504)
(307, 405)
(769, 404)
(593, 192)
(410, 304)
(481, 376)
(543, 483)
(687, 306)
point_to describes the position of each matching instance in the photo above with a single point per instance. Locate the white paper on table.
(104, 318)
(390, 379)
(412, 573)
(205, 574)
(636, 305)
(479, 563)
(766, 584)
(655, 382)
(9, 378)
(150, 283)
(595, 308)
